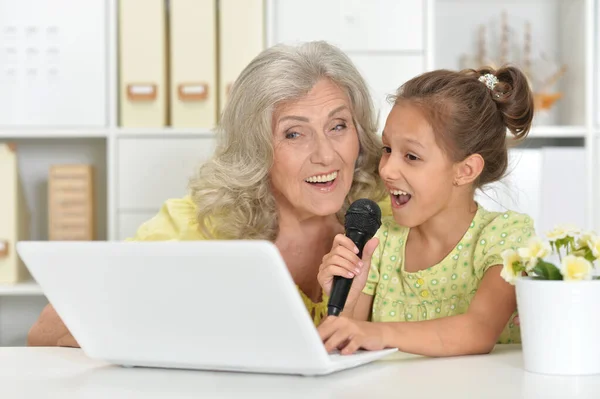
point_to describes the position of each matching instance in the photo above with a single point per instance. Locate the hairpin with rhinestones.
(490, 80)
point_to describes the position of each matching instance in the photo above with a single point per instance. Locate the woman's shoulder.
(176, 220)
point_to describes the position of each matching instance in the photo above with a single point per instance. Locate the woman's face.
(316, 147)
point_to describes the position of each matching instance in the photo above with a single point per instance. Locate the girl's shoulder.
(495, 232)
(494, 222)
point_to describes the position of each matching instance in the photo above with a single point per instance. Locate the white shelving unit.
(11, 134)
(593, 18)
(29, 288)
(136, 169)
(390, 41)
(575, 132)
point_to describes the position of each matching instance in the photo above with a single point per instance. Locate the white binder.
(142, 63)
(241, 38)
(193, 63)
(14, 217)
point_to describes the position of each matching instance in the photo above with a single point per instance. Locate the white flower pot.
(560, 326)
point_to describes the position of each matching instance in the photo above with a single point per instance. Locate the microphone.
(363, 219)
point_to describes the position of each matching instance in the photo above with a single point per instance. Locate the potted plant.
(558, 294)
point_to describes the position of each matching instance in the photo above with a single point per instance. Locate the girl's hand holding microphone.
(343, 261)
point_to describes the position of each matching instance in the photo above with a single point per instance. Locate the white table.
(68, 373)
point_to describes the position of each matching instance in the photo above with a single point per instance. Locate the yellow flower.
(576, 268)
(561, 231)
(585, 238)
(593, 243)
(512, 266)
(536, 249)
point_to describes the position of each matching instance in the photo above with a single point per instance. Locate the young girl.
(433, 285)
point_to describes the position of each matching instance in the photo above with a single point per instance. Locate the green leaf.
(560, 243)
(589, 255)
(570, 243)
(547, 271)
(581, 245)
(518, 266)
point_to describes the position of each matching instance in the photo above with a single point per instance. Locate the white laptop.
(211, 305)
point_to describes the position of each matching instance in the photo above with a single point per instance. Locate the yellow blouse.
(176, 221)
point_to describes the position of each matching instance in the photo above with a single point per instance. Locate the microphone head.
(363, 215)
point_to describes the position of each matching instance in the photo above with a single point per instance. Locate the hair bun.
(514, 98)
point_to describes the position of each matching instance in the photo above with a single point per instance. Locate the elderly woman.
(296, 145)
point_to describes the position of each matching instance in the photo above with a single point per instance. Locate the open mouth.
(322, 181)
(400, 198)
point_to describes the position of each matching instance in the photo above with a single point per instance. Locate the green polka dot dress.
(447, 288)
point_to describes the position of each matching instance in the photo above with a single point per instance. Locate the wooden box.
(71, 203)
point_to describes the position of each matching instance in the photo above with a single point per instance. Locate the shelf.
(164, 132)
(58, 133)
(50, 133)
(558, 132)
(16, 134)
(393, 52)
(26, 288)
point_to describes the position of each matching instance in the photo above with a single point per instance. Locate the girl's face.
(417, 173)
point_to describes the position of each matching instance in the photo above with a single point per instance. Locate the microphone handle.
(341, 285)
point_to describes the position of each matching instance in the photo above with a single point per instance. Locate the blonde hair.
(233, 186)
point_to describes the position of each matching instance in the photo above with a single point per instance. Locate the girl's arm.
(362, 309)
(474, 332)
